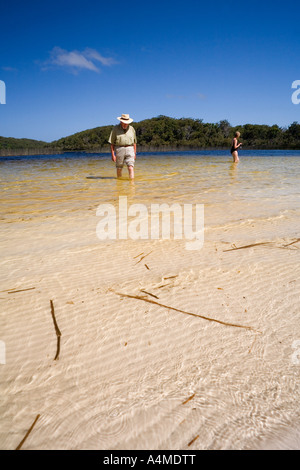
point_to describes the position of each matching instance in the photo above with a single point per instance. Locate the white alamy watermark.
(296, 354)
(2, 352)
(158, 222)
(296, 94)
(2, 92)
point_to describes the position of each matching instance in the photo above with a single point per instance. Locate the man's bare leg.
(119, 172)
(131, 172)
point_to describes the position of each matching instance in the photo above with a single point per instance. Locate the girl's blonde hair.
(237, 134)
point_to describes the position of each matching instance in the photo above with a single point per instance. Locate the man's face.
(124, 125)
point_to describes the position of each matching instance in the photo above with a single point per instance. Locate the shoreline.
(128, 344)
(141, 149)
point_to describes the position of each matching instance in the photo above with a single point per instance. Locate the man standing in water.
(123, 145)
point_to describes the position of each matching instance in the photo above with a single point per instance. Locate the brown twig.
(20, 290)
(27, 434)
(193, 440)
(182, 311)
(261, 243)
(152, 295)
(188, 399)
(292, 243)
(247, 246)
(143, 257)
(57, 331)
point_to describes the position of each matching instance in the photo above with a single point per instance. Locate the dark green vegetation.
(163, 132)
(12, 143)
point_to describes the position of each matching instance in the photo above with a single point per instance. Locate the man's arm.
(112, 141)
(112, 150)
(134, 142)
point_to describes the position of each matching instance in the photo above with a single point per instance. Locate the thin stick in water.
(247, 246)
(193, 440)
(186, 313)
(57, 331)
(188, 399)
(292, 243)
(144, 257)
(152, 295)
(20, 290)
(28, 432)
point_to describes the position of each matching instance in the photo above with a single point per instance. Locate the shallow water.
(127, 368)
(55, 185)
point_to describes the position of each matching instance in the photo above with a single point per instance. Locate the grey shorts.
(124, 155)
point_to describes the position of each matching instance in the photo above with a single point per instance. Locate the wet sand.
(160, 347)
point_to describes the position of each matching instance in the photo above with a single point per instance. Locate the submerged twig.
(247, 246)
(261, 243)
(193, 440)
(57, 331)
(292, 243)
(20, 290)
(188, 399)
(152, 295)
(27, 434)
(182, 311)
(143, 257)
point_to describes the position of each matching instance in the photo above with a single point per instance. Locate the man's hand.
(112, 151)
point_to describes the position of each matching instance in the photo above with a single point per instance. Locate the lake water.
(178, 378)
(265, 184)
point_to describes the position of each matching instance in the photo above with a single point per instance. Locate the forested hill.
(12, 143)
(163, 131)
(170, 133)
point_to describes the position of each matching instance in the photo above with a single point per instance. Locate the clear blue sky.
(74, 65)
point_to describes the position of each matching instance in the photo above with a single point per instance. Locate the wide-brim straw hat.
(125, 118)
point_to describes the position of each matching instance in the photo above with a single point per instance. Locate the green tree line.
(12, 143)
(166, 132)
